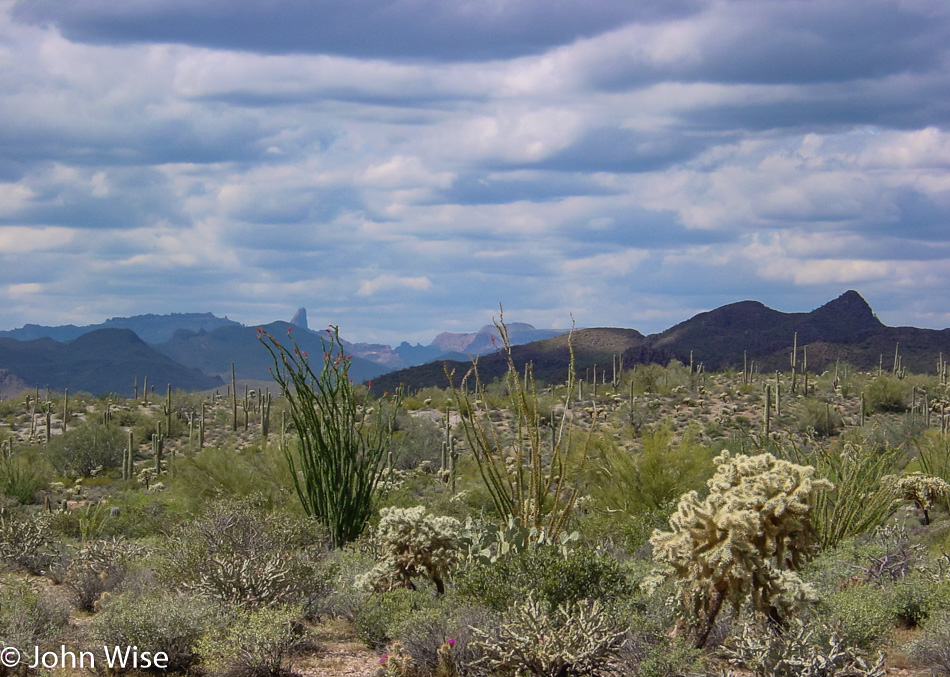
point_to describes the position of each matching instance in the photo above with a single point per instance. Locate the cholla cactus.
(798, 653)
(414, 544)
(577, 639)
(921, 488)
(742, 541)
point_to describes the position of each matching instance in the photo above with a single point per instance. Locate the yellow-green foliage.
(414, 544)
(742, 540)
(256, 643)
(651, 479)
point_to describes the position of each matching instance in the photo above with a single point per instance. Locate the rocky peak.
(300, 319)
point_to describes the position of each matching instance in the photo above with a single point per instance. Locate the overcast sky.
(400, 167)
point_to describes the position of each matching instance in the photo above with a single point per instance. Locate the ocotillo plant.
(341, 450)
(524, 478)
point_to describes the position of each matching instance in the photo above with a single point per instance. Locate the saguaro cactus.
(743, 541)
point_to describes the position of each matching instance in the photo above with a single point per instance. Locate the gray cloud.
(428, 29)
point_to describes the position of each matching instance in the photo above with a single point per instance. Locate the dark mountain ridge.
(844, 329)
(99, 362)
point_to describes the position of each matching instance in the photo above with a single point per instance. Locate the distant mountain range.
(149, 328)
(844, 329)
(195, 351)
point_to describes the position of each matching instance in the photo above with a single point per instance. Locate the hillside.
(844, 329)
(98, 362)
(549, 358)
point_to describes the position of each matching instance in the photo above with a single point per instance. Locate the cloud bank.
(400, 167)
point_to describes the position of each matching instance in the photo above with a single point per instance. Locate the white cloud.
(387, 283)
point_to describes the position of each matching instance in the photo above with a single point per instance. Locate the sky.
(402, 167)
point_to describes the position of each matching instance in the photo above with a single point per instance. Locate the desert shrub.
(84, 448)
(742, 541)
(21, 476)
(254, 643)
(158, 620)
(239, 553)
(223, 472)
(867, 613)
(96, 568)
(418, 439)
(571, 639)
(545, 573)
(29, 619)
(886, 394)
(932, 648)
(26, 541)
(652, 479)
(819, 418)
(415, 544)
(439, 639)
(379, 617)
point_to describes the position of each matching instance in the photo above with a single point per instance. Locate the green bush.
(886, 394)
(159, 620)
(819, 417)
(29, 619)
(553, 579)
(84, 448)
(21, 476)
(380, 616)
(868, 613)
(652, 479)
(258, 643)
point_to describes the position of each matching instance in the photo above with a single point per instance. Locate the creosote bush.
(157, 620)
(742, 541)
(85, 447)
(29, 619)
(254, 643)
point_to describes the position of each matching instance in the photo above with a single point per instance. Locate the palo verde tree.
(741, 542)
(341, 441)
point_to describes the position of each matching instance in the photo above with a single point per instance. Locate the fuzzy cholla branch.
(742, 541)
(576, 639)
(415, 544)
(795, 653)
(920, 488)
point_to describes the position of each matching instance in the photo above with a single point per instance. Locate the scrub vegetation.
(663, 521)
